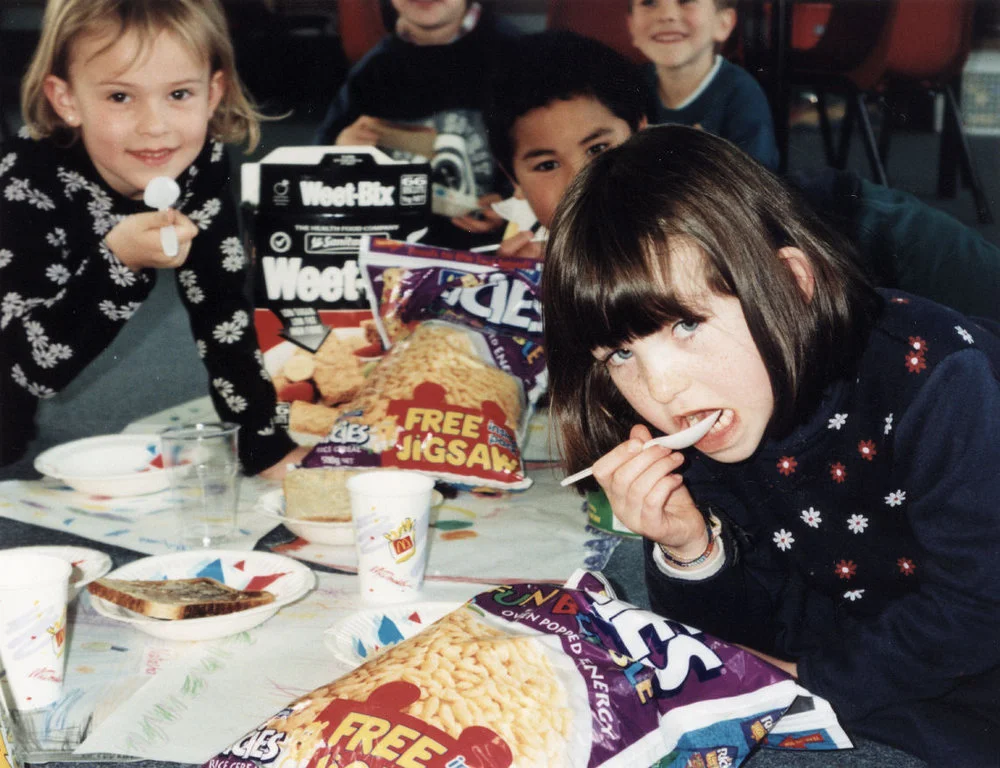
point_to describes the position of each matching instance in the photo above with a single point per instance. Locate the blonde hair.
(198, 24)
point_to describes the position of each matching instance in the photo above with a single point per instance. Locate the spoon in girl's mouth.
(161, 193)
(675, 442)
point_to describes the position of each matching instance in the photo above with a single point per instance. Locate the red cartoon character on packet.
(366, 734)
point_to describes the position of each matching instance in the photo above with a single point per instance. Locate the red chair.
(360, 24)
(603, 20)
(913, 45)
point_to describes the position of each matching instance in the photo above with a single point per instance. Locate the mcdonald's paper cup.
(33, 593)
(391, 510)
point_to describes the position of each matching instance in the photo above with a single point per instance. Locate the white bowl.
(108, 465)
(272, 505)
(286, 579)
(365, 634)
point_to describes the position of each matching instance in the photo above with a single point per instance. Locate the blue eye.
(685, 328)
(618, 357)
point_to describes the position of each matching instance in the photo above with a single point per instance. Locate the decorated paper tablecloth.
(145, 524)
(127, 693)
(541, 534)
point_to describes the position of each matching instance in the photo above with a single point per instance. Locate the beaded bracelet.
(677, 562)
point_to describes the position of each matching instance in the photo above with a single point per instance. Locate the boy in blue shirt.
(690, 83)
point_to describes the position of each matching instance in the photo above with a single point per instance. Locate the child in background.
(840, 517)
(563, 99)
(120, 92)
(560, 101)
(690, 83)
(430, 71)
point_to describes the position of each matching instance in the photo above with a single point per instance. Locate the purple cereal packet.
(465, 366)
(540, 675)
(499, 297)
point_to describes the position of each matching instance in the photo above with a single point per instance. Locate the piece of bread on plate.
(318, 494)
(178, 598)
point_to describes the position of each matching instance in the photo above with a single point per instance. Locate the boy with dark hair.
(564, 99)
(558, 64)
(690, 83)
(430, 71)
(561, 100)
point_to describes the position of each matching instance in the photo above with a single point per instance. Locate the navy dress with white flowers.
(866, 545)
(64, 295)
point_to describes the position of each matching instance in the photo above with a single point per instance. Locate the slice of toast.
(177, 598)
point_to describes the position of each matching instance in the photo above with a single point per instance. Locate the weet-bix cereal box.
(306, 210)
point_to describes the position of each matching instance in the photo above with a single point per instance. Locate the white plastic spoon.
(161, 193)
(675, 442)
(541, 237)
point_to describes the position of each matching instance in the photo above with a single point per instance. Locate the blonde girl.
(841, 516)
(120, 92)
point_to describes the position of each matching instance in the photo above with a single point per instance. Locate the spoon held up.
(161, 193)
(675, 442)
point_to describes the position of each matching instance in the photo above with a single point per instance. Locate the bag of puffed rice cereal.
(543, 676)
(409, 283)
(465, 367)
(435, 404)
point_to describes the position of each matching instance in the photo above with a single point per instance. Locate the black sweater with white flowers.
(64, 295)
(865, 546)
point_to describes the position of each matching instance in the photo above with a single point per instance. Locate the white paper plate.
(109, 465)
(286, 579)
(88, 564)
(363, 635)
(272, 505)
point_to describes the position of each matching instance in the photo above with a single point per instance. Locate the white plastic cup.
(33, 594)
(203, 468)
(391, 510)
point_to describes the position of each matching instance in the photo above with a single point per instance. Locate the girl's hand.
(363, 132)
(135, 240)
(483, 220)
(649, 498)
(522, 246)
